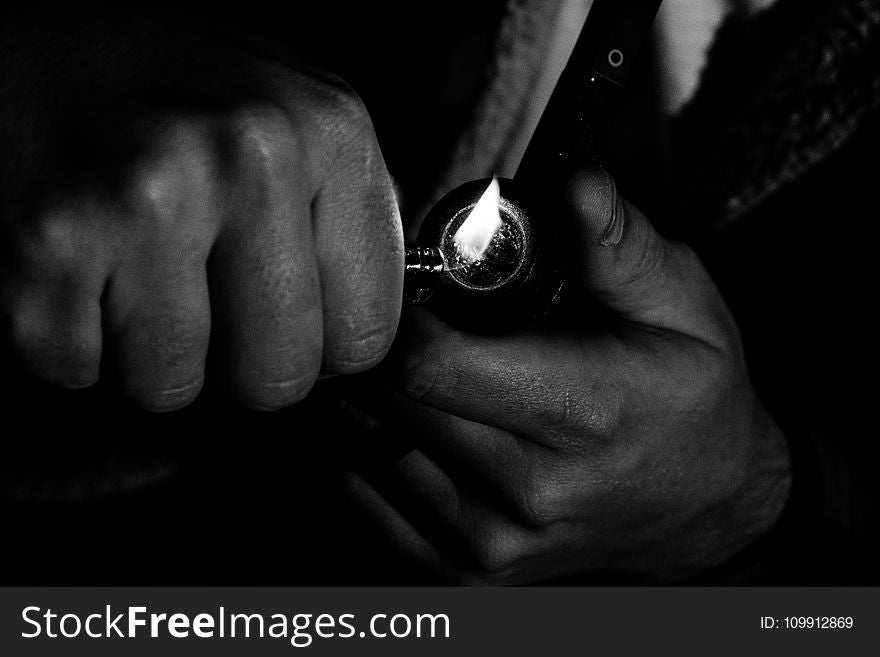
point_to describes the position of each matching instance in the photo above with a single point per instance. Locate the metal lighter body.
(514, 282)
(521, 276)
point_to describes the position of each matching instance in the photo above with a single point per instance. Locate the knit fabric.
(809, 104)
(804, 106)
(521, 43)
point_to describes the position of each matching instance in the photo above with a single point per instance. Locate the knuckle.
(267, 144)
(346, 128)
(179, 166)
(497, 549)
(56, 237)
(603, 416)
(359, 153)
(544, 500)
(342, 109)
(52, 245)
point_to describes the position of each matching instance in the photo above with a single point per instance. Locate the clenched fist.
(161, 191)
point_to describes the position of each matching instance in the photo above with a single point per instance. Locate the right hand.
(161, 190)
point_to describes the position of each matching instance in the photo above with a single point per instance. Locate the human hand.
(161, 189)
(634, 446)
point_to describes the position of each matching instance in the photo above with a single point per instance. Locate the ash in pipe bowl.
(504, 265)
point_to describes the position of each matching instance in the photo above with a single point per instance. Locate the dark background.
(96, 492)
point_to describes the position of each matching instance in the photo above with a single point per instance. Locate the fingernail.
(614, 230)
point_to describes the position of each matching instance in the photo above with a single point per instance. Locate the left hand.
(641, 449)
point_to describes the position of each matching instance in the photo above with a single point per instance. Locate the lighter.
(491, 256)
(490, 267)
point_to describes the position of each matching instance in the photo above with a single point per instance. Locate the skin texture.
(162, 192)
(634, 447)
(169, 201)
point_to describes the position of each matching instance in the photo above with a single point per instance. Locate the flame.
(475, 234)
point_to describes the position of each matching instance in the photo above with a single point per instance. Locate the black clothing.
(775, 153)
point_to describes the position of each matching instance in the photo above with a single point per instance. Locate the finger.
(55, 330)
(625, 264)
(426, 496)
(54, 274)
(497, 464)
(160, 322)
(392, 527)
(528, 383)
(263, 271)
(156, 303)
(360, 245)
(461, 527)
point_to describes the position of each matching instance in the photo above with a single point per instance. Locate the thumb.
(622, 262)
